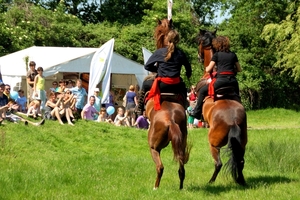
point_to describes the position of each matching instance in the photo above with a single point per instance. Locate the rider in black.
(227, 67)
(167, 63)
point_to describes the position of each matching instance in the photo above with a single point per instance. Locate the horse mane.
(161, 31)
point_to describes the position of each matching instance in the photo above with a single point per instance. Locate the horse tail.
(235, 151)
(180, 147)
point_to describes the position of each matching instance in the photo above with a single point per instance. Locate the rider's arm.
(210, 67)
(187, 65)
(155, 58)
(238, 67)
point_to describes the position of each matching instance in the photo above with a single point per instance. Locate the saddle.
(226, 93)
(171, 97)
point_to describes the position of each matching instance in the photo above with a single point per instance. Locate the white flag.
(146, 54)
(100, 70)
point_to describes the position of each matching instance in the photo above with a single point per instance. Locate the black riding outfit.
(171, 68)
(226, 72)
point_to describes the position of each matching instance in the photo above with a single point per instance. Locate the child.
(103, 116)
(190, 118)
(142, 121)
(21, 101)
(121, 119)
(34, 108)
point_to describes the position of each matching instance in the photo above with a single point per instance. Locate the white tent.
(62, 59)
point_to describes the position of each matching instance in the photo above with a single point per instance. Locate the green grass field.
(100, 161)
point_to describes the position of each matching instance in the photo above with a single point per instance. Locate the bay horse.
(169, 124)
(227, 124)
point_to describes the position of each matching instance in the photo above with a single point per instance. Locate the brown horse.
(228, 125)
(169, 124)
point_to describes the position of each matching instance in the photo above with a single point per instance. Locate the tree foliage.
(263, 33)
(284, 37)
(260, 83)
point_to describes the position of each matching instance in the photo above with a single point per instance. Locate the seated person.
(34, 108)
(142, 121)
(103, 117)
(53, 107)
(89, 110)
(121, 119)
(21, 101)
(69, 102)
(167, 63)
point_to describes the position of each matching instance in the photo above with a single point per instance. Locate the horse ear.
(202, 32)
(171, 23)
(158, 22)
(214, 32)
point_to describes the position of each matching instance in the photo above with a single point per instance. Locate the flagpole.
(170, 5)
(1, 75)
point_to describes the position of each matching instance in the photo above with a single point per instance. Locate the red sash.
(155, 91)
(211, 88)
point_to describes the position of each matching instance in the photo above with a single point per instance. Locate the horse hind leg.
(240, 179)
(181, 173)
(218, 163)
(236, 161)
(159, 166)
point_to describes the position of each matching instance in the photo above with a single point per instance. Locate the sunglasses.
(54, 84)
(7, 88)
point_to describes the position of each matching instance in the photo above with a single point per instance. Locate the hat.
(96, 90)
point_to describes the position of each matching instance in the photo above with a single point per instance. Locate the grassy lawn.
(100, 161)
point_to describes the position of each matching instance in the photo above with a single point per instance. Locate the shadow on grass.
(252, 182)
(267, 180)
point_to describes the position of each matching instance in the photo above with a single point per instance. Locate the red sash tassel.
(211, 88)
(155, 91)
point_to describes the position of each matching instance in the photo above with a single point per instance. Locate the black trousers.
(222, 81)
(225, 81)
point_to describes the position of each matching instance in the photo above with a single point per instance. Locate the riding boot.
(197, 111)
(140, 106)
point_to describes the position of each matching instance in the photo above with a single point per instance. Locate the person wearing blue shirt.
(81, 96)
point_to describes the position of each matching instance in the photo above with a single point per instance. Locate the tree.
(124, 12)
(284, 37)
(260, 88)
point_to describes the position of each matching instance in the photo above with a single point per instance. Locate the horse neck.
(207, 55)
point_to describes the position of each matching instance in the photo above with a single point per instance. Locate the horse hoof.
(155, 188)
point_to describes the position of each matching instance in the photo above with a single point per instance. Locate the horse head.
(205, 47)
(204, 39)
(161, 31)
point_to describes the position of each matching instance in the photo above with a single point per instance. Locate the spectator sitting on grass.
(89, 110)
(121, 119)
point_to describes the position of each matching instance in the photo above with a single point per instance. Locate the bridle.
(201, 50)
(205, 44)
